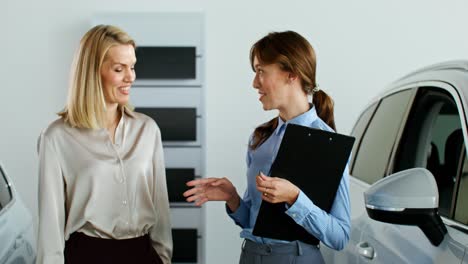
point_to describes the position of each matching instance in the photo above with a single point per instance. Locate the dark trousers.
(290, 253)
(80, 248)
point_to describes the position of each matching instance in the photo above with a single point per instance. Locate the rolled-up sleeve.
(51, 241)
(161, 235)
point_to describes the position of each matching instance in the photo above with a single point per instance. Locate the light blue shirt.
(332, 228)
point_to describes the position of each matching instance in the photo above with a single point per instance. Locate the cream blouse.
(88, 184)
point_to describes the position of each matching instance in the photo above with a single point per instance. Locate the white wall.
(361, 46)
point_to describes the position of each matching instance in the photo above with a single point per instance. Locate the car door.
(7, 237)
(376, 140)
(433, 138)
(427, 132)
(461, 205)
(376, 131)
(17, 242)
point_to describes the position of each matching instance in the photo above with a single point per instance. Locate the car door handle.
(365, 250)
(18, 242)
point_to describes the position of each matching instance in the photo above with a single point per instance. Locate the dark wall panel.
(176, 124)
(165, 63)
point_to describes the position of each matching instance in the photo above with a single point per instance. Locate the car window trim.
(358, 144)
(454, 224)
(391, 159)
(10, 189)
(461, 162)
(448, 87)
(461, 229)
(443, 85)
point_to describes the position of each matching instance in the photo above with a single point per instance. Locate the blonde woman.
(102, 184)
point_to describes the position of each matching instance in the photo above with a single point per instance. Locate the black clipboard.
(314, 160)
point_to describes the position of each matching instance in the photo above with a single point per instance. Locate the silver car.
(17, 241)
(409, 184)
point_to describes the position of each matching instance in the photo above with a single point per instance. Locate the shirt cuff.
(239, 214)
(301, 208)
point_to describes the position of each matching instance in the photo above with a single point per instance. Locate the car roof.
(458, 65)
(454, 73)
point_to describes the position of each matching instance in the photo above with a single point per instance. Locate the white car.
(17, 241)
(409, 167)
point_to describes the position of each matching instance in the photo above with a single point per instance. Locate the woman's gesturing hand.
(276, 190)
(212, 189)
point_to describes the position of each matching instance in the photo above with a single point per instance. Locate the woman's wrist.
(234, 202)
(294, 197)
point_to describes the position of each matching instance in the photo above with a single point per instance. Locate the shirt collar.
(304, 119)
(127, 110)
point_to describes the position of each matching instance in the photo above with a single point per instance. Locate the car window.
(377, 142)
(5, 192)
(461, 207)
(433, 139)
(359, 129)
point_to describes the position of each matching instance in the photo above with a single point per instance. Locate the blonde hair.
(86, 105)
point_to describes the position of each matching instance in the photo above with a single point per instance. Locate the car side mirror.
(408, 197)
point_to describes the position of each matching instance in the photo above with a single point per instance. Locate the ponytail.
(324, 107)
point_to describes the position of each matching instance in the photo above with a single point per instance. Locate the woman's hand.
(213, 189)
(277, 190)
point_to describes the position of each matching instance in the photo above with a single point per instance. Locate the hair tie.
(316, 88)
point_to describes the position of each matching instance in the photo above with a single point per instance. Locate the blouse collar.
(304, 119)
